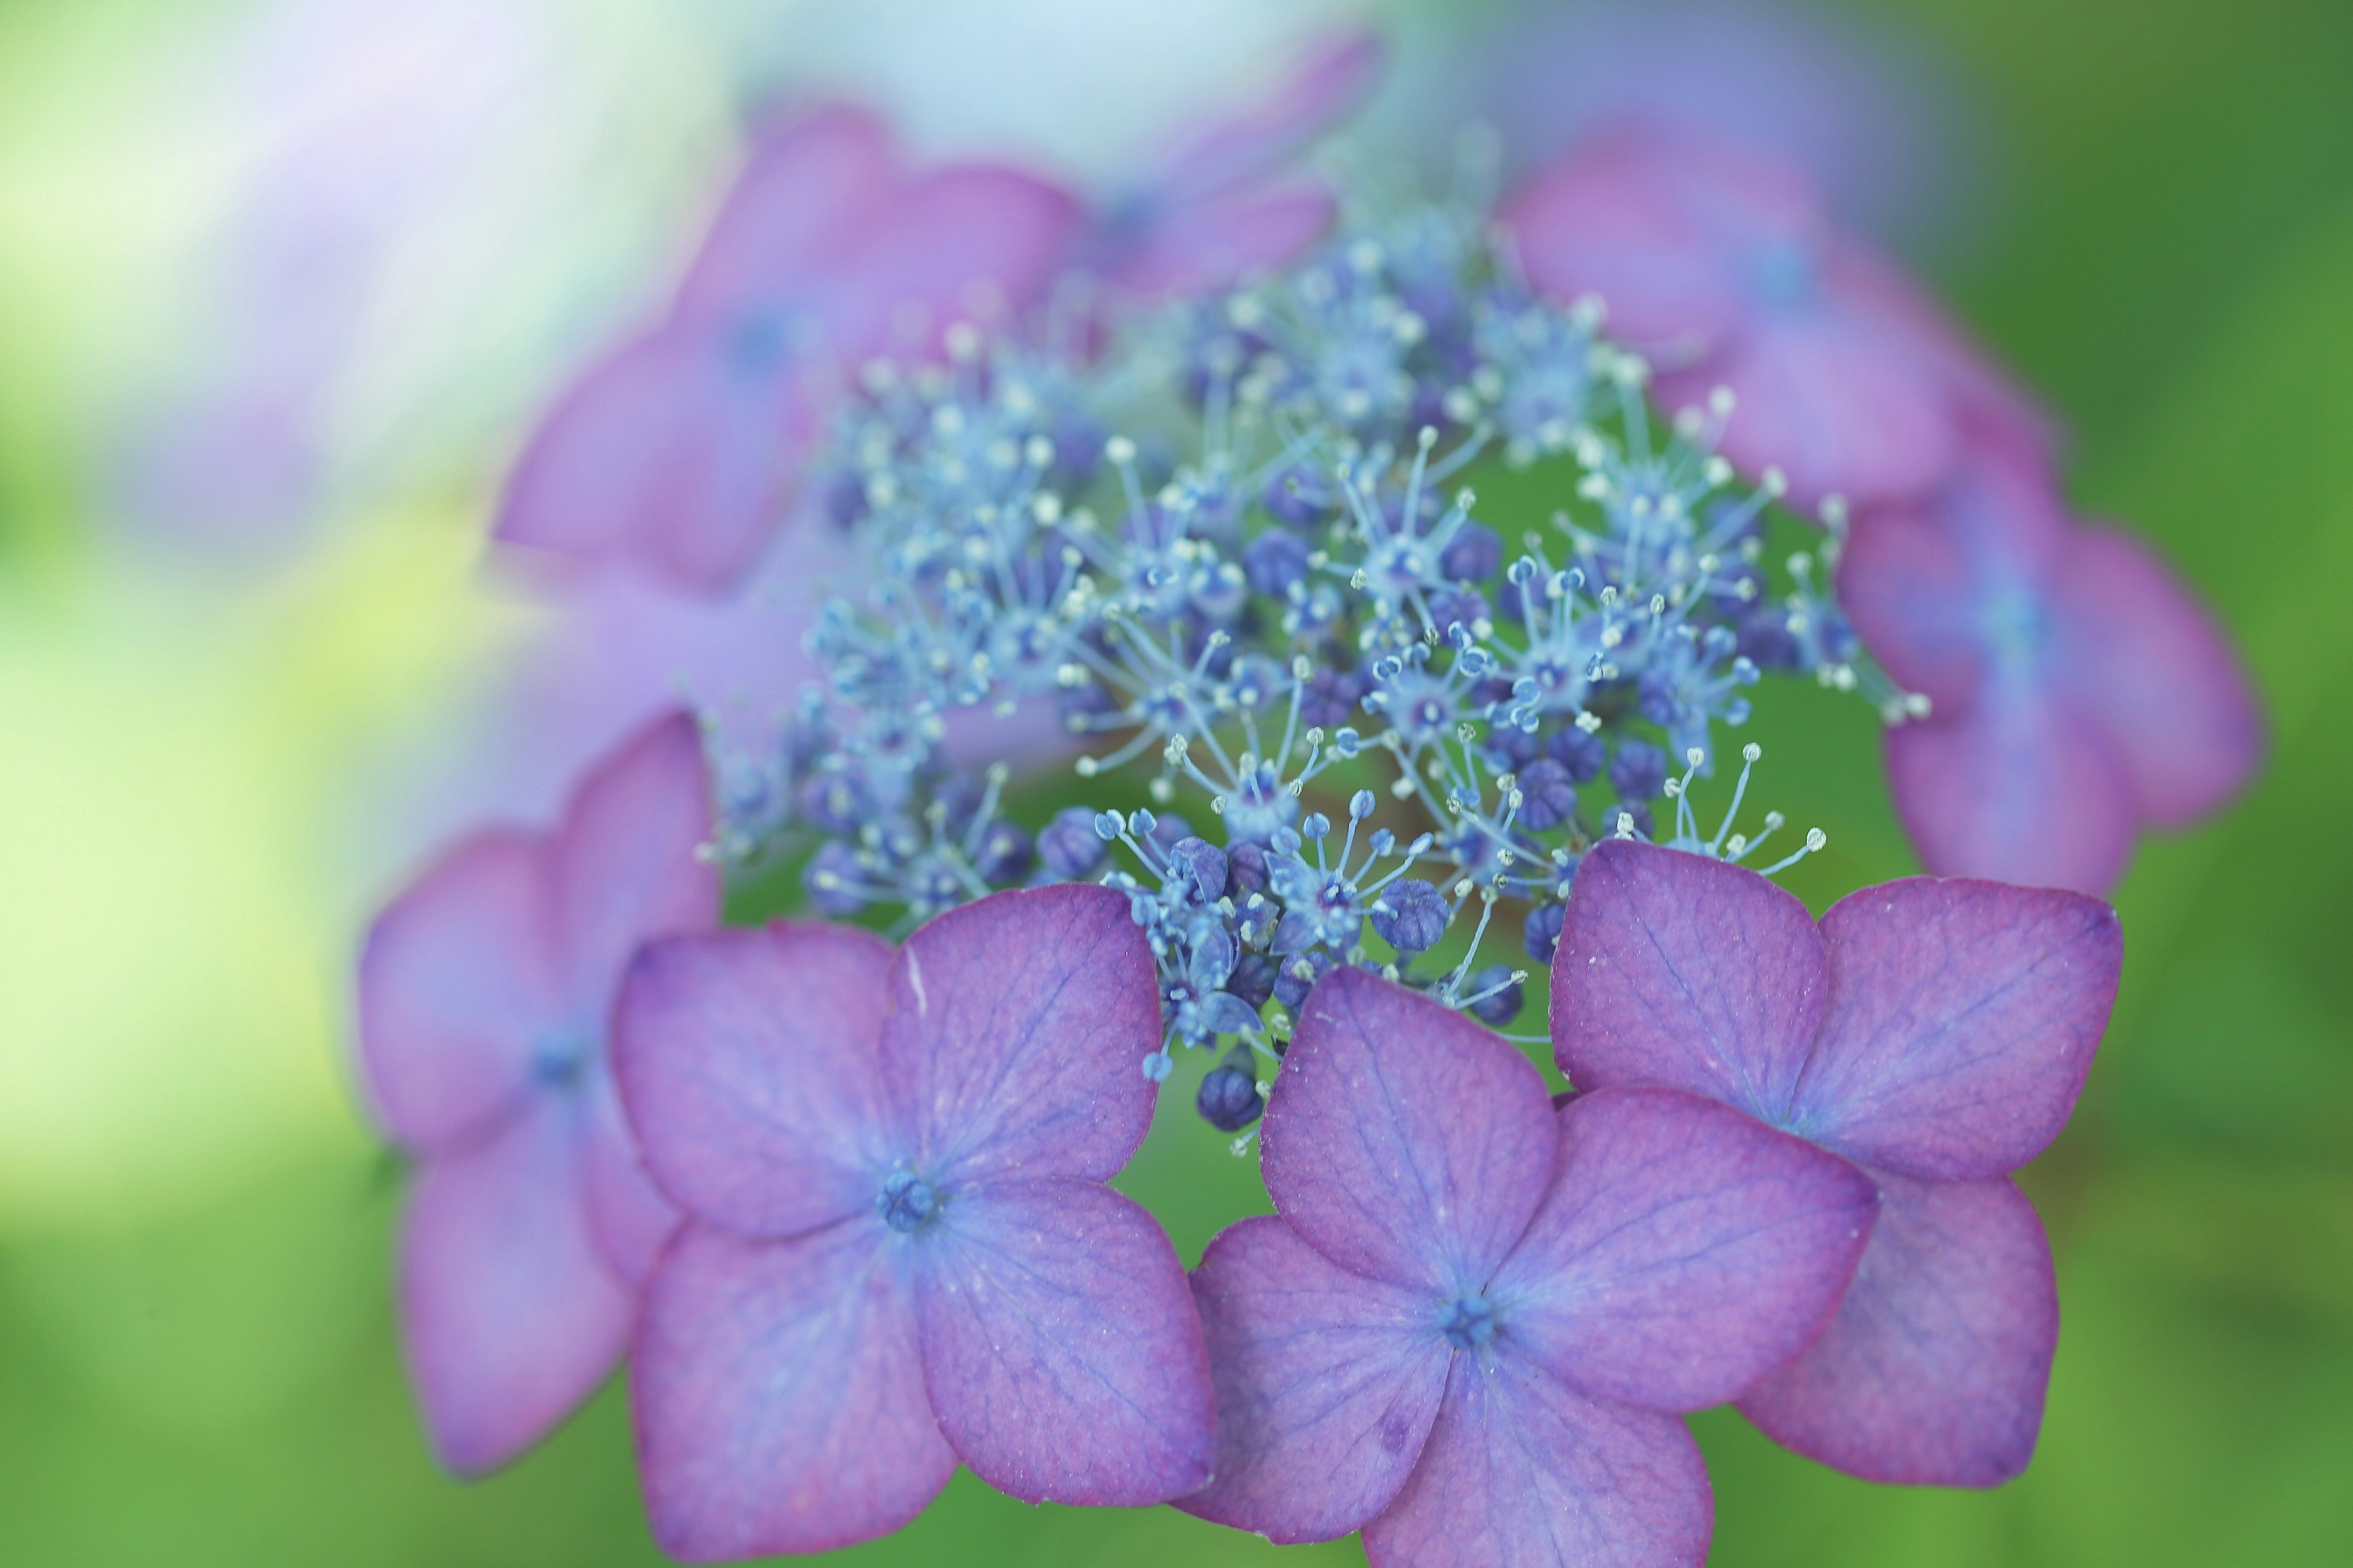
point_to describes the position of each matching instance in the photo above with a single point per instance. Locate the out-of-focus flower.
(682, 451)
(485, 990)
(2078, 691)
(1468, 1330)
(393, 179)
(1934, 1033)
(1876, 120)
(899, 1250)
(1721, 266)
(1230, 202)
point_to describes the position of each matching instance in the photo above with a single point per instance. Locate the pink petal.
(662, 453)
(1684, 1251)
(750, 1064)
(1932, 1373)
(1061, 1345)
(1016, 1035)
(1677, 970)
(509, 1314)
(805, 195)
(1834, 406)
(628, 865)
(1985, 397)
(1522, 1469)
(1909, 588)
(458, 990)
(1403, 1141)
(1326, 1385)
(2023, 791)
(1326, 84)
(1662, 228)
(2159, 675)
(778, 1388)
(626, 1213)
(962, 243)
(1222, 240)
(1961, 1022)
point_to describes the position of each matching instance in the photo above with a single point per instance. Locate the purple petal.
(626, 1213)
(1961, 1022)
(1988, 401)
(1834, 406)
(1403, 1141)
(1932, 1373)
(1522, 1469)
(627, 864)
(778, 1388)
(1218, 242)
(1679, 970)
(1061, 1345)
(963, 242)
(457, 988)
(1016, 1035)
(750, 1064)
(1659, 225)
(1323, 88)
(805, 195)
(2022, 789)
(1909, 588)
(1683, 1252)
(1951, 596)
(2158, 675)
(1326, 1385)
(608, 470)
(508, 1313)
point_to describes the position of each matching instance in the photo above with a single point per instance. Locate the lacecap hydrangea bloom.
(1176, 694)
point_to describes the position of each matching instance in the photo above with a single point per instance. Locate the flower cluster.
(1273, 589)
(1184, 694)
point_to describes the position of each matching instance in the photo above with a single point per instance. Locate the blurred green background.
(196, 1362)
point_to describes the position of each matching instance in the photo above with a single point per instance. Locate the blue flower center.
(1469, 1322)
(2016, 626)
(558, 1057)
(906, 1202)
(1781, 276)
(760, 343)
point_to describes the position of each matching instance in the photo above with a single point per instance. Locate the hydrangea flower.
(681, 450)
(484, 993)
(1723, 268)
(1934, 1033)
(1469, 1325)
(2078, 692)
(1228, 202)
(899, 1251)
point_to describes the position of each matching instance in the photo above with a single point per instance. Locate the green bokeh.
(2176, 269)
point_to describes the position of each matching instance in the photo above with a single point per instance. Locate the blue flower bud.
(1252, 979)
(1542, 932)
(1068, 847)
(1548, 795)
(1582, 754)
(1297, 976)
(1109, 826)
(1501, 1008)
(1473, 553)
(1198, 868)
(1360, 806)
(1316, 827)
(1245, 871)
(1411, 915)
(1003, 855)
(1274, 561)
(1228, 1099)
(1639, 771)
